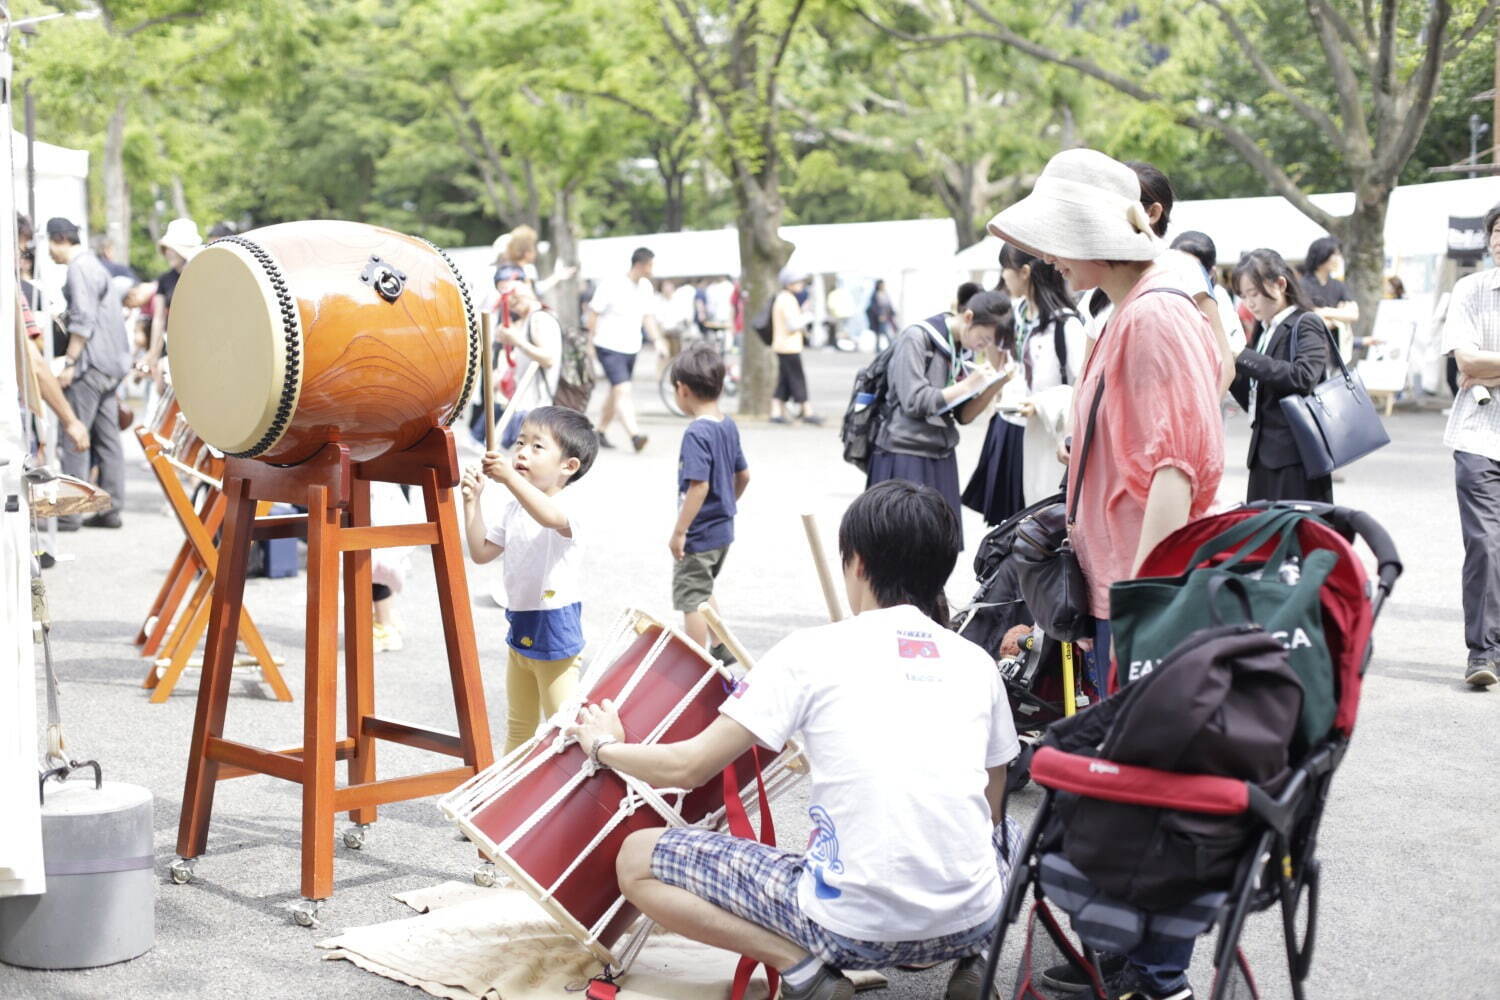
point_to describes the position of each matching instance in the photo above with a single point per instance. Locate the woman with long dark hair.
(1287, 357)
(1049, 344)
(934, 387)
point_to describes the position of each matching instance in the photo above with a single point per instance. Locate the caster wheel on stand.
(485, 875)
(354, 837)
(306, 913)
(180, 871)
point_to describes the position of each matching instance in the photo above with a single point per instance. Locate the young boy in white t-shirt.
(538, 534)
(908, 732)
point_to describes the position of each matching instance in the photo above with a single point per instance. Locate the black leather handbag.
(1336, 423)
(1047, 569)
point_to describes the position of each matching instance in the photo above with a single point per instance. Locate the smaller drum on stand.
(556, 825)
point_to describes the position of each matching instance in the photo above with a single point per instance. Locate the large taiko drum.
(555, 825)
(289, 337)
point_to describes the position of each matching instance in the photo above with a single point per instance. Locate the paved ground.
(1410, 892)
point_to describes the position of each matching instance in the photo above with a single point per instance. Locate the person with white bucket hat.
(179, 244)
(1157, 444)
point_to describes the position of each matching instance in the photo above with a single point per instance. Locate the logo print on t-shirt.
(823, 853)
(916, 645)
(738, 691)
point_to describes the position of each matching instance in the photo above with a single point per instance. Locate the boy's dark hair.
(1200, 245)
(1490, 218)
(700, 368)
(573, 432)
(906, 536)
(641, 255)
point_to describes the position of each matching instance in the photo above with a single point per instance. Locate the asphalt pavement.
(1410, 894)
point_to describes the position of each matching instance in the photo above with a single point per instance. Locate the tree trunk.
(179, 199)
(763, 253)
(565, 254)
(673, 210)
(116, 195)
(1362, 234)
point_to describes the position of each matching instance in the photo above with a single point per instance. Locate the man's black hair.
(641, 255)
(700, 368)
(573, 432)
(1490, 218)
(1200, 245)
(1318, 253)
(906, 536)
(62, 230)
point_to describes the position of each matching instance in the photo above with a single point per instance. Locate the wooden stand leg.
(359, 650)
(256, 644)
(218, 663)
(320, 698)
(202, 595)
(167, 599)
(184, 644)
(458, 626)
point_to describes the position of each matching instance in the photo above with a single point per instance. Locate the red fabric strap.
(739, 826)
(1143, 786)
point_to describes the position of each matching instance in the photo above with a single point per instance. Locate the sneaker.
(828, 984)
(638, 441)
(780, 420)
(1481, 674)
(387, 638)
(1130, 984)
(108, 519)
(813, 420)
(967, 979)
(1069, 978)
(604, 442)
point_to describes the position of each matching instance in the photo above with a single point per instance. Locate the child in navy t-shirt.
(711, 477)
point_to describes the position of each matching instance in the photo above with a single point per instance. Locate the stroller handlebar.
(1355, 524)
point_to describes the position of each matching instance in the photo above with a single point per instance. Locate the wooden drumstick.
(825, 575)
(717, 627)
(487, 335)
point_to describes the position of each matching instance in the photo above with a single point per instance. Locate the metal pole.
(30, 155)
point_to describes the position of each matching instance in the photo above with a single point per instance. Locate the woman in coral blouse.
(1158, 448)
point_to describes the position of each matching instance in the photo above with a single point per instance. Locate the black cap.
(60, 228)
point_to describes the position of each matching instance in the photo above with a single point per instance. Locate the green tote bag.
(1148, 617)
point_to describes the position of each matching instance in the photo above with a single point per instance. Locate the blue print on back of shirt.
(823, 853)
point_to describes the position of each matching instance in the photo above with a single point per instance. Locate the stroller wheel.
(1020, 769)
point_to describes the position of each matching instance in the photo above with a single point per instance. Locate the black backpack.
(1224, 702)
(863, 415)
(761, 324)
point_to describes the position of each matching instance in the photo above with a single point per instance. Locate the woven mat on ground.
(497, 944)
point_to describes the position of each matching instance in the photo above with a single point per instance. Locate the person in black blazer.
(1287, 355)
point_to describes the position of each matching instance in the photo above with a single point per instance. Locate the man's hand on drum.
(497, 466)
(596, 722)
(472, 484)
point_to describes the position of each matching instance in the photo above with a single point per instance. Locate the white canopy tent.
(61, 191)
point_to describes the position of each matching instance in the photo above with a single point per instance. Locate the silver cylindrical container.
(100, 903)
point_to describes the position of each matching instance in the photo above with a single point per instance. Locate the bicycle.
(715, 338)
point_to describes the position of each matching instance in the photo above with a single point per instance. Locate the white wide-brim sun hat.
(1084, 206)
(181, 236)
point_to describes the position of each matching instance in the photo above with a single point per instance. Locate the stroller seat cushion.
(1116, 927)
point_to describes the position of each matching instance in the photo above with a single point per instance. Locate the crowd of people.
(1103, 361)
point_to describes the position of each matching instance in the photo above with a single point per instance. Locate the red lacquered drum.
(292, 336)
(556, 825)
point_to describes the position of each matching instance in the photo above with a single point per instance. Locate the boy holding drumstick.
(538, 534)
(909, 735)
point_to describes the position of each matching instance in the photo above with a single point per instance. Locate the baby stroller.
(1281, 826)
(1040, 668)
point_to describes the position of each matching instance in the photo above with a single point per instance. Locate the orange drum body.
(289, 337)
(556, 825)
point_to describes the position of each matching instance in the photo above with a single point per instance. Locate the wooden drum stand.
(336, 493)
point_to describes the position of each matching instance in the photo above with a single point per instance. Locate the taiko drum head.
(287, 338)
(228, 367)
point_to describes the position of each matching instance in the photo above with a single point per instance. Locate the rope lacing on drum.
(291, 331)
(471, 319)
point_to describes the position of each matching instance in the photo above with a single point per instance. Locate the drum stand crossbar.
(198, 559)
(336, 494)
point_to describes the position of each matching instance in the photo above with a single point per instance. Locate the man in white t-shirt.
(909, 734)
(621, 308)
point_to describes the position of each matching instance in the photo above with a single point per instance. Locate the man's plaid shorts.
(759, 883)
